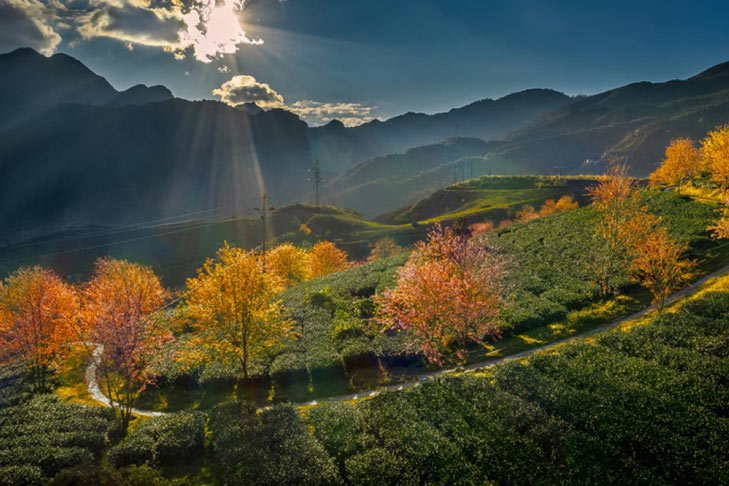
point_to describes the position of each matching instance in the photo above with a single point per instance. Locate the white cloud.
(27, 23)
(242, 89)
(206, 29)
(316, 112)
(223, 69)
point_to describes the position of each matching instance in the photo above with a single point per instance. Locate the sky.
(356, 60)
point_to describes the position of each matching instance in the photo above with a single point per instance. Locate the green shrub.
(47, 435)
(166, 440)
(270, 448)
(24, 475)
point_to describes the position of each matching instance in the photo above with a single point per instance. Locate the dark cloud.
(23, 23)
(136, 24)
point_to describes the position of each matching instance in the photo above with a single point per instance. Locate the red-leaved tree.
(450, 292)
(118, 305)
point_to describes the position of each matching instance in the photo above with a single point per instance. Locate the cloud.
(26, 23)
(223, 69)
(205, 29)
(133, 24)
(316, 112)
(242, 89)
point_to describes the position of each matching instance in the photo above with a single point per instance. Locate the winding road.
(96, 393)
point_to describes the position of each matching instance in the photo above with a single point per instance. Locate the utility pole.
(263, 210)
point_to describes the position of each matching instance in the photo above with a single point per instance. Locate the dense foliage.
(271, 448)
(42, 436)
(166, 440)
(646, 406)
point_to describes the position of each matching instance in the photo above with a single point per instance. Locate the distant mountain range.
(74, 150)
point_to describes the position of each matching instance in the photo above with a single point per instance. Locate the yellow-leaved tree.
(325, 258)
(233, 312)
(681, 163)
(384, 248)
(715, 155)
(288, 263)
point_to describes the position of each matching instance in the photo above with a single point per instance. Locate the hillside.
(176, 247)
(75, 151)
(494, 198)
(385, 183)
(488, 119)
(633, 123)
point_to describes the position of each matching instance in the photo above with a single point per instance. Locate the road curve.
(96, 393)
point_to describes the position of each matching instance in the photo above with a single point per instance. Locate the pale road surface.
(95, 391)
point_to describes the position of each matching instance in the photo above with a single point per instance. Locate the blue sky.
(378, 58)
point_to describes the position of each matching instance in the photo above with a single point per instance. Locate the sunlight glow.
(214, 28)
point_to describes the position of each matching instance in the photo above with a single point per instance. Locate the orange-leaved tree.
(289, 263)
(658, 263)
(120, 315)
(616, 201)
(233, 312)
(715, 155)
(325, 258)
(680, 164)
(720, 228)
(450, 292)
(526, 213)
(37, 314)
(564, 203)
(481, 228)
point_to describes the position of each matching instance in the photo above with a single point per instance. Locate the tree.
(526, 213)
(681, 163)
(233, 311)
(720, 229)
(449, 292)
(616, 202)
(564, 203)
(325, 258)
(715, 155)
(384, 248)
(119, 308)
(481, 228)
(288, 263)
(659, 265)
(37, 311)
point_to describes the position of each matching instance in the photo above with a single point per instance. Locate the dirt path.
(96, 393)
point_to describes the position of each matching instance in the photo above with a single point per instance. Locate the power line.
(148, 225)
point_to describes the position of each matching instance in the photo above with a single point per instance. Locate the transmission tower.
(316, 179)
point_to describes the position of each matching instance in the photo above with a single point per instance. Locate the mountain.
(633, 123)
(485, 119)
(141, 94)
(75, 151)
(31, 83)
(386, 183)
(79, 164)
